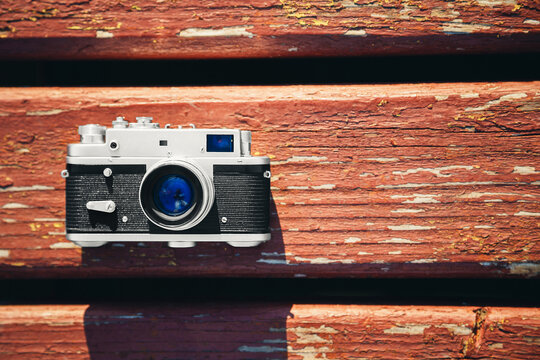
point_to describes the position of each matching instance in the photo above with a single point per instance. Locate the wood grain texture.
(143, 29)
(425, 180)
(267, 331)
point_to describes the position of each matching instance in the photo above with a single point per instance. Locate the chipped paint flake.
(526, 269)
(322, 260)
(397, 252)
(63, 245)
(525, 170)
(15, 206)
(407, 329)
(409, 227)
(324, 187)
(352, 240)
(412, 211)
(100, 34)
(275, 261)
(4, 253)
(293, 49)
(398, 241)
(26, 188)
(422, 261)
(469, 96)
(458, 27)
(496, 2)
(261, 349)
(383, 160)
(456, 329)
(227, 31)
(526, 213)
(300, 159)
(434, 171)
(452, 183)
(45, 112)
(508, 97)
(531, 22)
(356, 32)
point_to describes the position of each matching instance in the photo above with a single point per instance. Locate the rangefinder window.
(219, 143)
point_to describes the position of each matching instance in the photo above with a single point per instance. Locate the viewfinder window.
(219, 143)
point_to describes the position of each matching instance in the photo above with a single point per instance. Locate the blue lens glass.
(173, 195)
(219, 143)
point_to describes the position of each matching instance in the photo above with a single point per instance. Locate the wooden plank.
(262, 331)
(424, 180)
(263, 28)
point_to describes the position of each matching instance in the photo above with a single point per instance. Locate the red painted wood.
(262, 331)
(264, 28)
(427, 180)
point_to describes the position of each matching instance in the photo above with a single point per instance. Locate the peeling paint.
(483, 227)
(261, 349)
(322, 260)
(496, 2)
(422, 261)
(45, 112)
(434, 171)
(293, 49)
(358, 32)
(397, 252)
(526, 213)
(408, 210)
(4, 253)
(300, 159)
(441, 97)
(457, 329)
(363, 253)
(451, 183)
(408, 227)
(275, 261)
(407, 329)
(27, 188)
(398, 241)
(383, 160)
(491, 103)
(458, 27)
(352, 240)
(525, 170)
(274, 341)
(100, 34)
(292, 187)
(15, 206)
(476, 194)
(63, 245)
(324, 187)
(526, 269)
(531, 22)
(227, 31)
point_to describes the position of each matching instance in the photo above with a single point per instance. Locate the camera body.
(139, 182)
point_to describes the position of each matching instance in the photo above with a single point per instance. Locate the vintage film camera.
(139, 182)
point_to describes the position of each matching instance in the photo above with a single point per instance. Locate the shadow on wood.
(219, 331)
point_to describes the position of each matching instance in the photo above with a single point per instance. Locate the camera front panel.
(241, 205)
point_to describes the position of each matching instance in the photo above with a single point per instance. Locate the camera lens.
(173, 195)
(176, 195)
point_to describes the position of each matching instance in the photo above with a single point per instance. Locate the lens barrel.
(176, 195)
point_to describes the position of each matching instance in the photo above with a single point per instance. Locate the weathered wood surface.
(264, 331)
(264, 28)
(423, 180)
